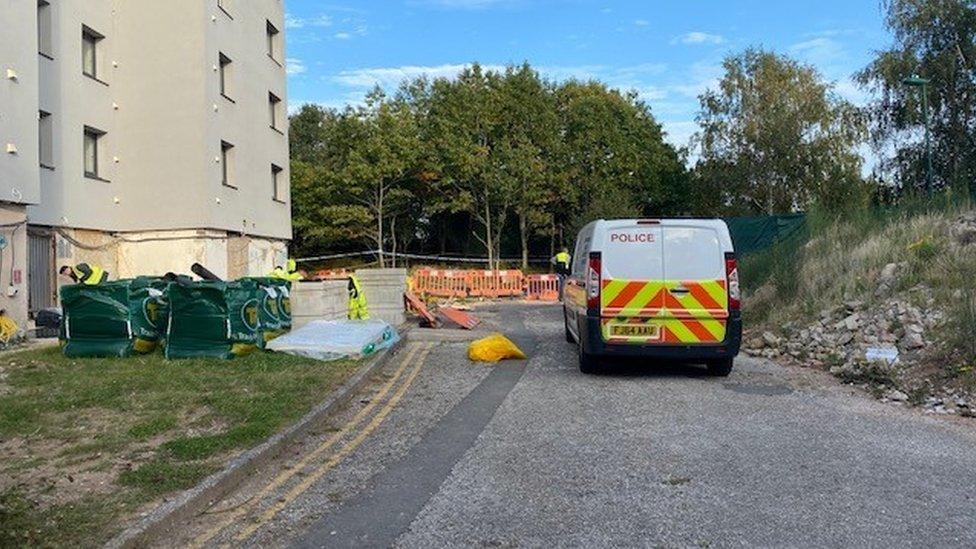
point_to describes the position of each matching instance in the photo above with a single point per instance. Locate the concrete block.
(325, 300)
(384, 290)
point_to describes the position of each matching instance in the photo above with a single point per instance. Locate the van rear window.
(693, 253)
(632, 253)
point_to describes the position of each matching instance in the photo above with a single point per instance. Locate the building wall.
(157, 97)
(244, 120)
(19, 183)
(158, 204)
(155, 253)
(13, 262)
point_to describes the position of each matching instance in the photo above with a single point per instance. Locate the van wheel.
(720, 368)
(588, 364)
(569, 335)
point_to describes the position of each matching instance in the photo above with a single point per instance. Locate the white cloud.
(701, 77)
(292, 22)
(698, 37)
(821, 50)
(642, 22)
(390, 77)
(295, 66)
(625, 78)
(342, 36)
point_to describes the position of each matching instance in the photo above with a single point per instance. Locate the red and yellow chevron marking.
(632, 297)
(696, 317)
(705, 299)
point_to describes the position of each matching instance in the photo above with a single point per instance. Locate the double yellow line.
(285, 476)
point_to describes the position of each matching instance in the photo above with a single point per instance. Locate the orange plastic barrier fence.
(496, 283)
(542, 287)
(440, 283)
(446, 283)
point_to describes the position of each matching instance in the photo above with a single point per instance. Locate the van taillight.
(593, 276)
(732, 278)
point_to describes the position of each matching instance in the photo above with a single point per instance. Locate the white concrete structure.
(141, 136)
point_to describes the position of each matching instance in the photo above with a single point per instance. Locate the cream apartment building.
(142, 136)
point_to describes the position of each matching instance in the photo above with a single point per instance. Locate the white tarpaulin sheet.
(336, 339)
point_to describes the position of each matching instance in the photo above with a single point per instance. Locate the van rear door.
(696, 301)
(632, 282)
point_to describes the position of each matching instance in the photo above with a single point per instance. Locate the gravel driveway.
(534, 453)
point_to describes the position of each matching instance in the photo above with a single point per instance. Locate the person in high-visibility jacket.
(84, 273)
(562, 261)
(357, 301)
(291, 274)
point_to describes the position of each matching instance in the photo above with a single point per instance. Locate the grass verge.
(84, 444)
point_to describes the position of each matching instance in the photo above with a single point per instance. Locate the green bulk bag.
(148, 311)
(274, 306)
(212, 319)
(284, 302)
(112, 319)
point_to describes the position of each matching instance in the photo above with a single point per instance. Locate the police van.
(655, 288)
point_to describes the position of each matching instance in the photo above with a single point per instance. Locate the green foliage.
(961, 331)
(353, 172)
(24, 523)
(152, 427)
(774, 139)
(775, 268)
(449, 160)
(924, 249)
(934, 40)
(160, 477)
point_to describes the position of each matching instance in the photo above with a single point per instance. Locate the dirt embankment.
(892, 310)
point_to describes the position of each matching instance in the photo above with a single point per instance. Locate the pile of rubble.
(868, 344)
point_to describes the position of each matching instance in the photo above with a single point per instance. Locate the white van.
(658, 288)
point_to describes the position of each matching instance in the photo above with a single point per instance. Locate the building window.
(273, 39)
(277, 190)
(92, 139)
(226, 164)
(89, 52)
(225, 76)
(44, 29)
(46, 140)
(274, 108)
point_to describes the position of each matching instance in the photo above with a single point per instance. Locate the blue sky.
(669, 51)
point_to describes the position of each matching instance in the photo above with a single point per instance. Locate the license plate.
(636, 330)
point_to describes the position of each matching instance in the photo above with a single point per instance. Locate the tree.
(308, 132)
(464, 122)
(527, 143)
(934, 40)
(613, 147)
(452, 161)
(774, 137)
(356, 180)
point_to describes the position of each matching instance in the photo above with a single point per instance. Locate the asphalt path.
(440, 452)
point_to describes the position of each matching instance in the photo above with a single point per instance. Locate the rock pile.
(840, 340)
(843, 334)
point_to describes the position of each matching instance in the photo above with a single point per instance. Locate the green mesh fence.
(754, 234)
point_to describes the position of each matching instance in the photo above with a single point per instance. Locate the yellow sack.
(494, 348)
